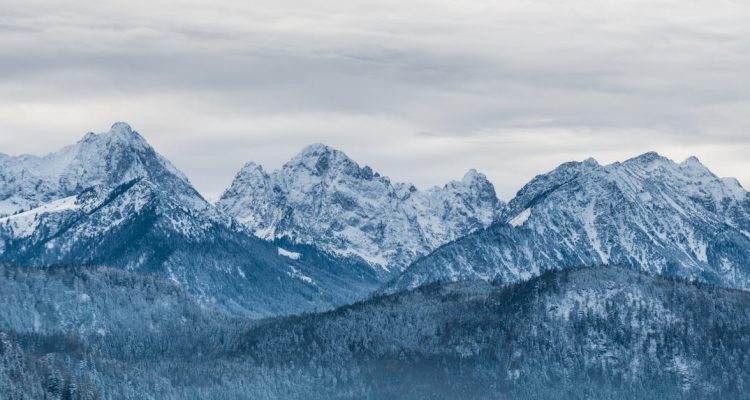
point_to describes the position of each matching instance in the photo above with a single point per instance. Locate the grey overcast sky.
(419, 90)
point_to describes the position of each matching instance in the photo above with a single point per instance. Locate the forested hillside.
(583, 333)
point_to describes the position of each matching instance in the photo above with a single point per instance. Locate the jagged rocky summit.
(323, 198)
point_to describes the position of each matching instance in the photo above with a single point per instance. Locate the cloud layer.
(421, 91)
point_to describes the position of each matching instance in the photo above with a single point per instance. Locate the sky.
(419, 90)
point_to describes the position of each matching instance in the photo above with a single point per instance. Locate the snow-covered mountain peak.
(473, 177)
(473, 185)
(119, 155)
(252, 171)
(319, 161)
(324, 198)
(692, 161)
(647, 158)
(251, 167)
(694, 168)
(319, 157)
(120, 134)
(591, 162)
(643, 178)
(110, 159)
(689, 178)
(89, 136)
(122, 128)
(315, 150)
(653, 161)
(542, 185)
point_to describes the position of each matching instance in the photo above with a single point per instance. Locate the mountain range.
(110, 199)
(648, 213)
(323, 231)
(324, 279)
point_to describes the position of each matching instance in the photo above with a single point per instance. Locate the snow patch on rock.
(295, 273)
(521, 218)
(24, 224)
(289, 254)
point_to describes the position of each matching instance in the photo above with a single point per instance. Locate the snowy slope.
(323, 198)
(25, 223)
(648, 212)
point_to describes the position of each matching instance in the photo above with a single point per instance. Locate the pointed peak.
(473, 176)
(550, 181)
(648, 157)
(321, 158)
(693, 162)
(591, 161)
(317, 147)
(474, 183)
(252, 169)
(251, 166)
(473, 173)
(573, 167)
(316, 150)
(120, 132)
(121, 127)
(123, 131)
